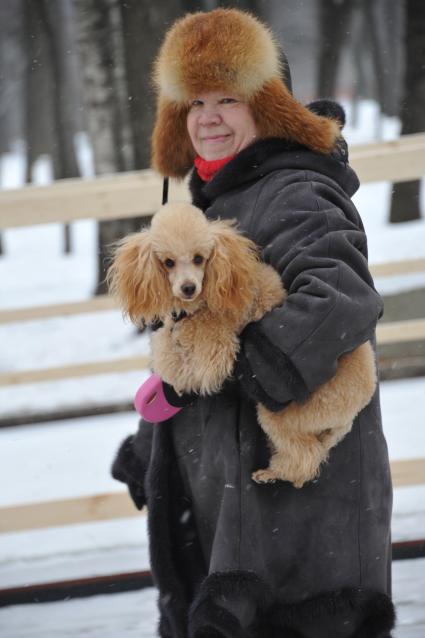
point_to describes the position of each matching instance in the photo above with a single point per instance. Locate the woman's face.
(220, 125)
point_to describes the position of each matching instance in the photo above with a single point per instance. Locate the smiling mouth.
(215, 138)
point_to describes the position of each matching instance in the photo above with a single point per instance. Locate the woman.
(230, 557)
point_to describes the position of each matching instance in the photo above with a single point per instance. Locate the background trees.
(85, 65)
(405, 200)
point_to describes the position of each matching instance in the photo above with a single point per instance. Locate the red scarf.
(206, 169)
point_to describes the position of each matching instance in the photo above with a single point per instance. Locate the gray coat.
(231, 557)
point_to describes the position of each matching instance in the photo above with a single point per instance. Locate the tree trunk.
(12, 62)
(254, 6)
(57, 16)
(152, 19)
(405, 204)
(334, 20)
(97, 64)
(99, 34)
(38, 99)
(382, 24)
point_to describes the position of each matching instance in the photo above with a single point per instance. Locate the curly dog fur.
(213, 274)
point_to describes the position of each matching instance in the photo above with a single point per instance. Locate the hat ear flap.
(172, 150)
(278, 114)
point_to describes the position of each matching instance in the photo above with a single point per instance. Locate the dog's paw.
(265, 476)
(269, 475)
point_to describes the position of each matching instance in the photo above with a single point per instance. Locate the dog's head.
(183, 262)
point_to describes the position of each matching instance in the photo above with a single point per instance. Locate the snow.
(134, 615)
(72, 458)
(130, 615)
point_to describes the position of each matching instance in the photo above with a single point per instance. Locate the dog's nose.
(188, 290)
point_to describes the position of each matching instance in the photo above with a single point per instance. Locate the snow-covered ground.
(71, 458)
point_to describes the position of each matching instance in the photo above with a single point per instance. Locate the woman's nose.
(209, 116)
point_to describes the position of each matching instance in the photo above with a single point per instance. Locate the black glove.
(175, 399)
(127, 468)
(253, 339)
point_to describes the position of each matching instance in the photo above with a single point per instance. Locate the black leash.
(165, 191)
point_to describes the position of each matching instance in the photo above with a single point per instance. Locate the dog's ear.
(137, 279)
(231, 269)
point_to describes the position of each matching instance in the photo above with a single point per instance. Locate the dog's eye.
(169, 263)
(198, 260)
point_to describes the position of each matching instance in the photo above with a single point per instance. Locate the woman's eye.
(228, 100)
(195, 103)
(198, 260)
(169, 263)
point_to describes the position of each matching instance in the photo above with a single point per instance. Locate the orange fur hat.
(226, 50)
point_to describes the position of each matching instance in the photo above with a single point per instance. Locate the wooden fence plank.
(408, 472)
(78, 370)
(97, 304)
(113, 197)
(69, 511)
(395, 161)
(392, 268)
(394, 332)
(413, 140)
(400, 331)
(104, 302)
(136, 193)
(86, 509)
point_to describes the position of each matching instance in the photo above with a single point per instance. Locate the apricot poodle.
(205, 282)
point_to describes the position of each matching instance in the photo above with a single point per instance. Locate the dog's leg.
(303, 434)
(296, 456)
(214, 346)
(337, 402)
(169, 358)
(270, 292)
(196, 355)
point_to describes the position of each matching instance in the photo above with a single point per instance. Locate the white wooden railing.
(138, 193)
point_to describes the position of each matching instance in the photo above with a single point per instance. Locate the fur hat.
(226, 50)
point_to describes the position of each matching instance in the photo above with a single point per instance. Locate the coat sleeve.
(311, 233)
(132, 461)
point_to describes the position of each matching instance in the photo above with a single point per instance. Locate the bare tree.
(96, 23)
(382, 25)
(150, 19)
(51, 86)
(334, 21)
(11, 73)
(57, 18)
(118, 41)
(38, 98)
(11, 84)
(254, 6)
(405, 204)
(371, 32)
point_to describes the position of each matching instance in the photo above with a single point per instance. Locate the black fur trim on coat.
(250, 388)
(329, 109)
(210, 613)
(126, 468)
(178, 400)
(175, 554)
(238, 604)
